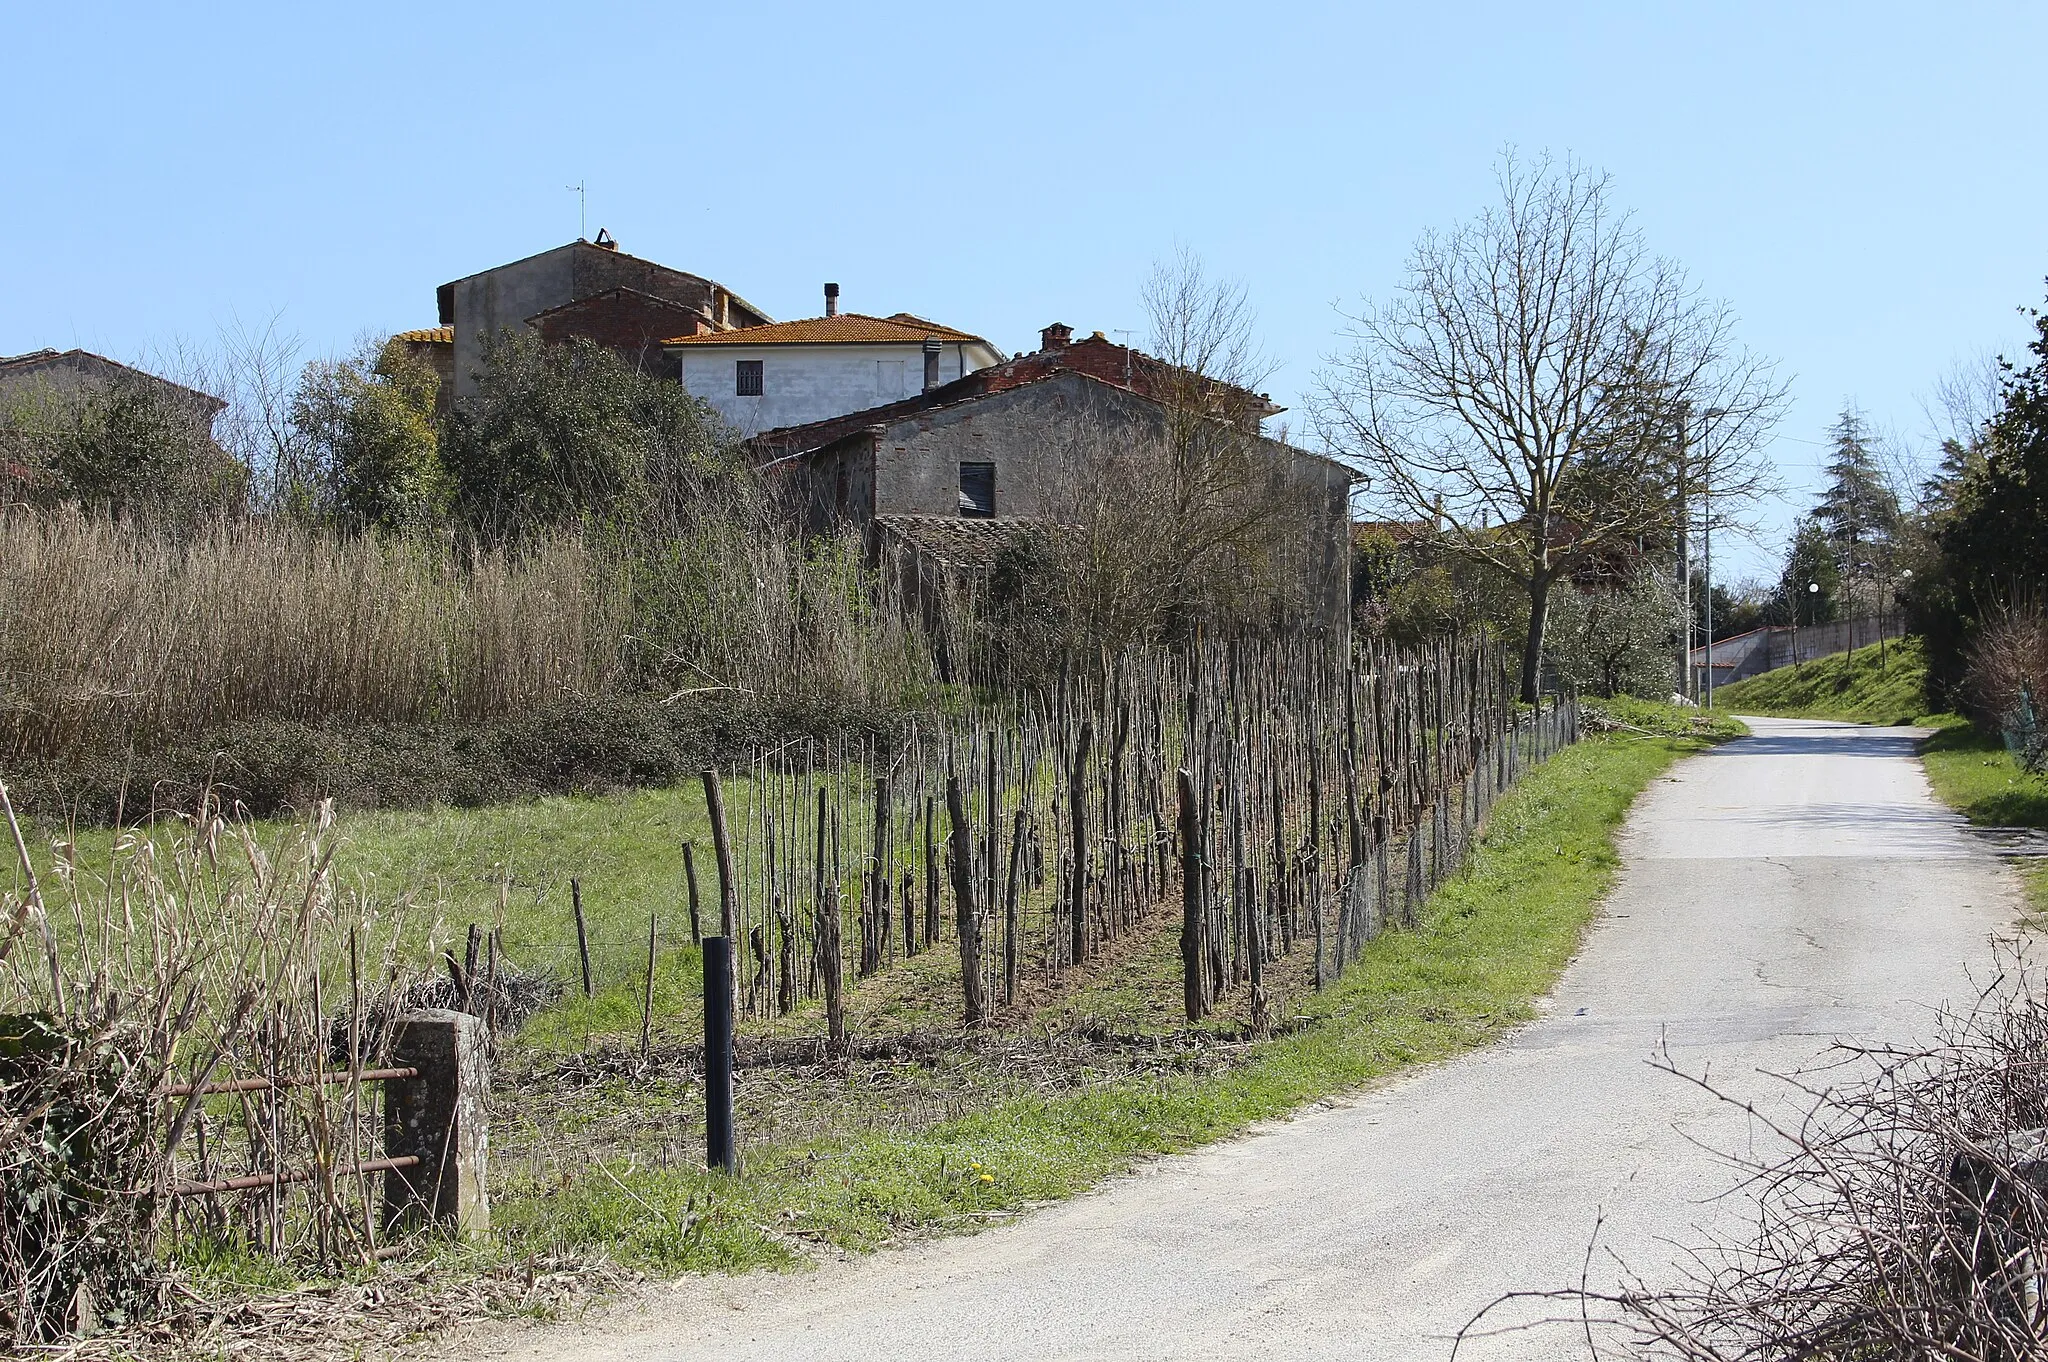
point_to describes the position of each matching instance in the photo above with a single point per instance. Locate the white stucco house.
(762, 378)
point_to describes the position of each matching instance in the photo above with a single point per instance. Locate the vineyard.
(1281, 807)
(1219, 831)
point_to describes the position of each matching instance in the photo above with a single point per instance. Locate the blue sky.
(1861, 181)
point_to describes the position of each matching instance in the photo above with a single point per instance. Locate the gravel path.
(1780, 892)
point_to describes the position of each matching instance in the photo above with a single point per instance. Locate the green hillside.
(1856, 686)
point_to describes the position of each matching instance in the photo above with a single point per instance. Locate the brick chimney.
(831, 300)
(1055, 337)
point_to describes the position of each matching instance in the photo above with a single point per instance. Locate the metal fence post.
(441, 1118)
(719, 1145)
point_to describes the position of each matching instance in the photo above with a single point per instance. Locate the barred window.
(749, 384)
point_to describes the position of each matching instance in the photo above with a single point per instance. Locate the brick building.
(590, 290)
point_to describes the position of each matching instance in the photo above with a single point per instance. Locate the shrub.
(2008, 671)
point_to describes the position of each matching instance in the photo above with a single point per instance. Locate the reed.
(117, 635)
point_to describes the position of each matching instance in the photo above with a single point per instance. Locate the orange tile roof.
(848, 328)
(428, 335)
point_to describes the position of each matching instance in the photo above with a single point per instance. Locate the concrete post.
(439, 1117)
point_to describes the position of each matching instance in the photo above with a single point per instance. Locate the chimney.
(932, 348)
(605, 241)
(831, 300)
(1055, 337)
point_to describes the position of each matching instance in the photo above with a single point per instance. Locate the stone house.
(793, 373)
(1000, 447)
(586, 289)
(71, 371)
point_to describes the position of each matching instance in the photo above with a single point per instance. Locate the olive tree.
(1546, 392)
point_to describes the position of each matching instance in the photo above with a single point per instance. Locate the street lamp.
(1812, 589)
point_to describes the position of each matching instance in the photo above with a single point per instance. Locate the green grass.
(1973, 773)
(1492, 941)
(1661, 719)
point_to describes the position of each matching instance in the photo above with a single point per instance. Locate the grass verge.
(1492, 941)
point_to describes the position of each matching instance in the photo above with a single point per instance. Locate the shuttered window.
(749, 383)
(978, 489)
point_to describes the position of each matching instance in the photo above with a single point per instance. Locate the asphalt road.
(1780, 892)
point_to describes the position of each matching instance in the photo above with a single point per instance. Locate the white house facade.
(762, 378)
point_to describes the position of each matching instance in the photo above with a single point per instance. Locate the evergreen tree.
(1858, 513)
(1810, 563)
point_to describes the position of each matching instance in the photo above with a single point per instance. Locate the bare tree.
(1190, 516)
(1547, 392)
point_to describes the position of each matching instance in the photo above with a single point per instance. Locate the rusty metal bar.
(251, 1182)
(265, 1084)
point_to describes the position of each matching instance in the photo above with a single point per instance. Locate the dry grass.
(110, 629)
(114, 635)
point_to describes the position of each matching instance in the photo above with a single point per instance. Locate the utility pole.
(1707, 533)
(1685, 686)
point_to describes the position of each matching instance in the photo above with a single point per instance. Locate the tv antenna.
(1126, 334)
(582, 222)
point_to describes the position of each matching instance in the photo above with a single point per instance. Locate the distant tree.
(368, 424)
(128, 444)
(1989, 523)
(1858, 512)
(1809, 563)
(558, 433)
(1550, 386)
(1182, 516)
(1736, 610)
(1616, 639)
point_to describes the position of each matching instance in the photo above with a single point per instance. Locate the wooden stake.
(582, 937)
(647, 999)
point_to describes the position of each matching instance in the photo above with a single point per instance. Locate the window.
(978, 490)
(749, 384)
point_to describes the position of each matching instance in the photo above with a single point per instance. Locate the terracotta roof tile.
(428, 335)
(848, 328)
(963, 542)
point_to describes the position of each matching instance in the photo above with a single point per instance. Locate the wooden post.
(829, 964)
(582, 937)
(1077, 816)
(875, 906)
(1011, 903)
(690, 873)
(1194, 970)
(967, 923)
(785, 977)
(441, 1118)
(931, 875)
(647, 999)
(721, 843)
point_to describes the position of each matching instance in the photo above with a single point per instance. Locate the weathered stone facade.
(616, 290)
(1037, 435)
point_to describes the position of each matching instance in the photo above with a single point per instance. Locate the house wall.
(803, 383)
(1038, 436)
(498, 299)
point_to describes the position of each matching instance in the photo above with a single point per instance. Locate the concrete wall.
(1762, 650)
(803, 383)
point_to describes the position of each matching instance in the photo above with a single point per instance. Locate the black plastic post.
(719, 1145)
